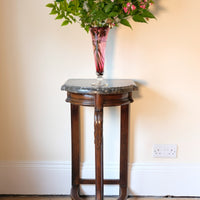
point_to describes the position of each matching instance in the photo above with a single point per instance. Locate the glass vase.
(99, 38)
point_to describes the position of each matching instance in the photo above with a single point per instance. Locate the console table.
(117, 92)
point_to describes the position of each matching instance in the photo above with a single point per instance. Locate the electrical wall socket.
(164, 151)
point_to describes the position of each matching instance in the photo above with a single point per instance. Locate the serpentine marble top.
(113, 86)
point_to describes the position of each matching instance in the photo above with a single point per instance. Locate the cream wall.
(37, 56)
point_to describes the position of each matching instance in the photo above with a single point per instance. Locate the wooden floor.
(88, 198)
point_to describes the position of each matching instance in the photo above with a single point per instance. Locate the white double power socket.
(164, 150)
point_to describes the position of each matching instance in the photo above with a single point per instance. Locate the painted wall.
(37, 56)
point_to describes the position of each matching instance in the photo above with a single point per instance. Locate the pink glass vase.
(99, 38)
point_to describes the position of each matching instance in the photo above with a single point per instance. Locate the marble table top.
(112, 86)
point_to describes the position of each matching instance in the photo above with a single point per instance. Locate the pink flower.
(128, 4)
(145, 0)
(133, 7)
(125, 9)
(112, 0)
(142, 6)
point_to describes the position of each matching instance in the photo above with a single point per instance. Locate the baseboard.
(164, 179)
(35, 178)
(145, 179)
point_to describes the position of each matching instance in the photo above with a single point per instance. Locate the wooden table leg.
(124, 152)
(98, 135)
(75, 137)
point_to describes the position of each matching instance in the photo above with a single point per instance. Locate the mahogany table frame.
(98, 101)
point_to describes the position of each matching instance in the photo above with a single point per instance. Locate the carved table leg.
(75, 137)
(124, 152)
(98, 135)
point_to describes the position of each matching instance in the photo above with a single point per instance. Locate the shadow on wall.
(110, 51)
(150, 108)
(151, 103)
(157, 7)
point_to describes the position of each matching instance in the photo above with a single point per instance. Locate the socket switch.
(164, 151)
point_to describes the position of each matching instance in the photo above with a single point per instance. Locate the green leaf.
(66, 22)
(125, 23)
(65, 5)
(108, 7)
(139, 18)
(87, 28)
(61, 6)
(72, 18)
(100, 15)
(53, 12)
(147, 14)
(113, 14)
(102, 4)
(50, 5)
(59, 0)
(59, 17)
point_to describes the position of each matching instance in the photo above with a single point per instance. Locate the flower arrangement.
(101, 13)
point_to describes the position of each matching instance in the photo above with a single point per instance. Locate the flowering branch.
(101, 13)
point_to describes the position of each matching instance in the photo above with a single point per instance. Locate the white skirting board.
(148, 179)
